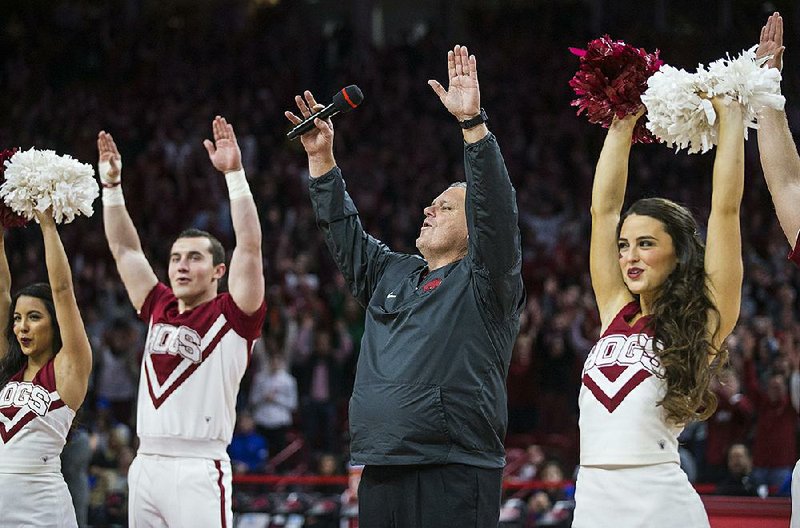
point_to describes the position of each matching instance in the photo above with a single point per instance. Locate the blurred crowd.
(155, 75)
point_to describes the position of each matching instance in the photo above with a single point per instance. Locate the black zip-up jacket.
(430, 381)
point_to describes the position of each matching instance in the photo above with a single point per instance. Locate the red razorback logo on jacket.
(431, 285)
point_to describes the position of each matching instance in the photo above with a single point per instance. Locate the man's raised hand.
(771, 41)
(462, 97)
(109, 163)
(224, 151)
(319, 140)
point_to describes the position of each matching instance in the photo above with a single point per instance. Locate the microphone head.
(347, 98)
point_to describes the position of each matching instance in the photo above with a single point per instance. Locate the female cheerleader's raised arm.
(73, 363)
(723, 258)
(608, 195)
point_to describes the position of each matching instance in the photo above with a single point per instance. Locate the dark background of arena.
(154, 74)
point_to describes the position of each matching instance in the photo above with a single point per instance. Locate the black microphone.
(343, 101)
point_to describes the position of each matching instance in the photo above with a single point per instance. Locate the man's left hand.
(224, 152)
(462, 97)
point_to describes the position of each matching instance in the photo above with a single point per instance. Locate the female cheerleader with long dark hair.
(666, 302)
(44, 374)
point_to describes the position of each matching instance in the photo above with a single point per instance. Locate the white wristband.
(237, 184)
(113, 196)
(104, 167)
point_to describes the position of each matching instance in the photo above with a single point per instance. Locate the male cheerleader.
(781, 165)
(198, 345)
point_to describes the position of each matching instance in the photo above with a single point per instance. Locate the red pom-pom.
(8, 218)
(610, 81)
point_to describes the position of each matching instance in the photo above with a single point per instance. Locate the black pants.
(276, 438)
(429, 496)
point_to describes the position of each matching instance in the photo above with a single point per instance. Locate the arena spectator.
(248, 449)
(273, 399)
(738, 479)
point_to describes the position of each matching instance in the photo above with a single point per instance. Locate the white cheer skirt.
(35, 499)
(654, 496)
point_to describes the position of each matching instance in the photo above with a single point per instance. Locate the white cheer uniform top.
(620, 424)
(191, 369)
(34, 423)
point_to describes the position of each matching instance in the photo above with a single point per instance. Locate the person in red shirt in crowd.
(522, 392)
(728, 425)
(774, 451)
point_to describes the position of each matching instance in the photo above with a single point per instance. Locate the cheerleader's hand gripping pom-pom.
(8, 218)
(38, 179)
(679, 116)
(745, 80)
(610, 81)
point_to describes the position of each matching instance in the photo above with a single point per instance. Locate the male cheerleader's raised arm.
(5, 290)
(246, 276)
(73, 363)
(135, 271)
(608, 195)
(779, 158)
(723, 260)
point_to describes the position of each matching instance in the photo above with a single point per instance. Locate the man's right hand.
(318, 142)
(109, 164)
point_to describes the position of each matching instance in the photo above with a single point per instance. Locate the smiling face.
(192, 274)
(646, 254)
(33, 327)
(444, 230)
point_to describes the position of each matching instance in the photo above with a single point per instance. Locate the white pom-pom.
(679, 116)
(38, 179)
(743, 79)
(676, 114)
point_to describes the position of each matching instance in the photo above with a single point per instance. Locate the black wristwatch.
(474, 121)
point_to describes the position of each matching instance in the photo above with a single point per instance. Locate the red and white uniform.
(192, 366)
(34, 423)
(628, 449)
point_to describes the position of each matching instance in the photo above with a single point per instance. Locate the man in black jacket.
(428, 410)
(738, 479)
